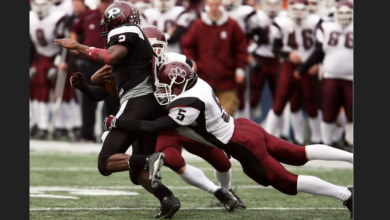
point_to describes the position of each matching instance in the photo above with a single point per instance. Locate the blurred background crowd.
(285, 64)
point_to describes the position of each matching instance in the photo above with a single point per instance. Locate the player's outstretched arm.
(138, 126)
(106, 56)
(93, 93)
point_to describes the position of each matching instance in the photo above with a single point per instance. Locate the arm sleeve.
(177, 34)
(239, 47)
(277, 49)
(94, 93)
(137, 126)
(316, 57)
(184, 116)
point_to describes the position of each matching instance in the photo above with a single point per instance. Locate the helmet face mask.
(231, 4)
(344, 15)
(164, 5)
(271, 7)
(298, 11)
(172, 80)
(41, 8)
(157, 40)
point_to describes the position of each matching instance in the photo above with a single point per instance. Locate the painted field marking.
(195, 208)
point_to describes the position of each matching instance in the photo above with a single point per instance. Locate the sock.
(349, 133)
(297, 125)
(75, 111)
(224, 178)
(34, 111)
(137, 162)
(323, 152)
(272, 122)
(337, 134)
(43, 115)
(281, 126)
(342, 119)
(195, 177)
(255, 113)
(60, 120)
(314, 185)
(315, 128)
(327, 130)
(161, 192)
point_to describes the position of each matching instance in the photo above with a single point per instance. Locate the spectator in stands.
(217, 46)
(88, 26)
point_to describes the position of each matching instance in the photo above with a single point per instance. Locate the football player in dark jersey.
(132, 59)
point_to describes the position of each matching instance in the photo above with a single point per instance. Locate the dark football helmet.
(116, 14)
(172, 79)
(157, 39)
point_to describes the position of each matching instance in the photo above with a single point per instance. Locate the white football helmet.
(231, 4)
(298, 10)
(41, 7)
(271, 7)
(344, 13)
(164, 5)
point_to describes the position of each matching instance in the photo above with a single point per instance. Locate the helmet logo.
(114, 13)
(178, 72)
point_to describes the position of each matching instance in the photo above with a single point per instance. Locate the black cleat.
(349, 202)
(169, 206)
(228, 200)
(42, 134)
(154, 164)
(240, 204)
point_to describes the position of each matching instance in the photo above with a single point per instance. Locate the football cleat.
(349, 202)
(153, 165)
(169, 206)
(227, 198)
(240, 204)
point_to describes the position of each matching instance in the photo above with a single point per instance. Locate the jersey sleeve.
(184, 20)
(184, 116)
(276, 32)
(125, 35)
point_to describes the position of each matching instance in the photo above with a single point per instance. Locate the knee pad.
(133, 173)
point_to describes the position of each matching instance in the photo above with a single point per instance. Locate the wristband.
(93, 53)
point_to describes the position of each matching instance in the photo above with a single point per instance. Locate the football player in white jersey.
(294, 38)
(335, 47)
(195, 111)
(45, 26)
(172, 20)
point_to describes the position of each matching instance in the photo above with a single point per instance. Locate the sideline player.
(195, 112)
(129, 51)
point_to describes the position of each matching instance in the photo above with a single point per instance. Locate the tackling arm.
(316, 57)
(137, 126)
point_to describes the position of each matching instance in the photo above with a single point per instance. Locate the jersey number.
(225, 116)
(307, 37)
(41, 37)
(168, 24)
(122, 38)
(334, 39)
(180, 116)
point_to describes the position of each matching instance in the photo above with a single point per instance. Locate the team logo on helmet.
(179, 73)
(113, 13)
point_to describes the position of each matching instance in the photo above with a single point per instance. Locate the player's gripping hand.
(66, 43)
(103, 75)
(77, 80)
(109, 123)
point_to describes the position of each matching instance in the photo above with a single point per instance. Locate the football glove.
(109, 123)
(77, 80)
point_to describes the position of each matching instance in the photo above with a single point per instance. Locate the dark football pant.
(269, 72)
(118, 141)
(296, 91)
(336, 93)
(171, 143)
(39, 84)
(261, 153)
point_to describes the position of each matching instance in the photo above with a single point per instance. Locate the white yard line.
(49, 147)
(195, 208)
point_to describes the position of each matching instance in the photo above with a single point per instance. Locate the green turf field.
(69, 186)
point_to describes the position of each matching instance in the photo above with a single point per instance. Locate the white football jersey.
(245, 16)
(205, 120)
(265, 22)
(337, 44)
(176, 16)
(43, 32)
(172, 56)
(299, 38)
